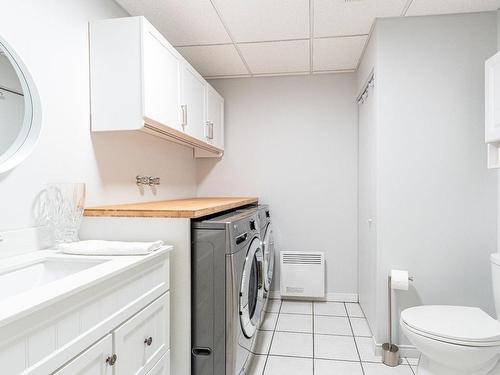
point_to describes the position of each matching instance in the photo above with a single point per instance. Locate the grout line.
(405, 9)
(408, 362)
(314, 350)
(355, 343)
(311, 42)
(272, 338)
(231, 37)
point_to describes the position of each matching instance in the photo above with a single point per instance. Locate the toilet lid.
(465, 324)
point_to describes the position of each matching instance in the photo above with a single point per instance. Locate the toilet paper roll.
(399, 280)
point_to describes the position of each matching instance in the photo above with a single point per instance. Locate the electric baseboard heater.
(302, 274)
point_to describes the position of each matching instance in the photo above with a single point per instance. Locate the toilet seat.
(459, 325)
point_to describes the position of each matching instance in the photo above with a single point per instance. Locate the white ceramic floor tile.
(335, 347)
(273, 305)
(296, 307)
(257, 365)
(380, 369)
(329, 308)
(360, 327)
(288, 366)
(263, 342)
(292, 344)
(269, 322)
(354, 310)
(367, 350)
(329, 367)
(332, 325)
(295, 323)
(412, 361)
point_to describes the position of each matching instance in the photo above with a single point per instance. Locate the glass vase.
(65, 205)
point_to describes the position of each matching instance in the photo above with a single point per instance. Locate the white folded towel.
(99, 247)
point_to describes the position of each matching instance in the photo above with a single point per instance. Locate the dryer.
(227, 292)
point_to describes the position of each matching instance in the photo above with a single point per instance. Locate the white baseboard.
(330, 297)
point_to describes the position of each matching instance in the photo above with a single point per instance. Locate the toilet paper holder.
(390, 351)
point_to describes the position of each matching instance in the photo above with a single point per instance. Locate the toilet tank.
(495, 273)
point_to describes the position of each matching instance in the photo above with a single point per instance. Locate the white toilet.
(456, 340)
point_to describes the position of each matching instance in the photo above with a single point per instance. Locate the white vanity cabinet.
(110, 319)
(139, 82)
(492, 110)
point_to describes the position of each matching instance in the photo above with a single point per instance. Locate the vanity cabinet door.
(161, 80)
(142, 340)
(93, 361)
(193, 103)
(214, 128)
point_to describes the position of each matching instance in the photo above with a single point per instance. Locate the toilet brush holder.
(390, 352)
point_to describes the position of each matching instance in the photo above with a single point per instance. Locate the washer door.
(268, 248)
(251, 290)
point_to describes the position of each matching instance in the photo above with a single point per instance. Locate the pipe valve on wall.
(147, 180)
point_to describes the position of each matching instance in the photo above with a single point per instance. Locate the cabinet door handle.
(184, 108)
(207, 129)
(211, 130)
(148, 341)
(111, 360)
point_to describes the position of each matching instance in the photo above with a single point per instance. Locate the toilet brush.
(390, 351)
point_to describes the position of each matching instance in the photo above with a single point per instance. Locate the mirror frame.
(32, 121)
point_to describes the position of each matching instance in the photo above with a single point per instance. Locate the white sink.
(33, 274)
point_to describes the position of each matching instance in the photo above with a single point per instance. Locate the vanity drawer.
(141, 341)
(162, 367)
(92, 361)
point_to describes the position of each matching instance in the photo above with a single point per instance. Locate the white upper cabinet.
(161, 80)
(140, 82)
(193, 102)
(492, 110)
(214, 128)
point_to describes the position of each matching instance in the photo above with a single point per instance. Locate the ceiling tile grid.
(243, 38)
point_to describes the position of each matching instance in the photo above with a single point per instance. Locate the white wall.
(51, 38)
(292, 141)
(436, 199)
(11, 105)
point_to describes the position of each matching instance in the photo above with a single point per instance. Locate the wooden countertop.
(180, 208)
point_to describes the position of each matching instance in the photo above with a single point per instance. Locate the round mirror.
(19, 110)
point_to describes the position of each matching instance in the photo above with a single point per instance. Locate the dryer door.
(268, 248)
(251, 289)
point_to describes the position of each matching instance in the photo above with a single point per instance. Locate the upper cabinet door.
(161, 80)
(492, 99)
(214, 128)
(193, 103)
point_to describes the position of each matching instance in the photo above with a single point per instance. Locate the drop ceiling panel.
(219, 60)
(341, 53)
(276, 57)
(355, 17)
(182, 22)
(428, 7)
(265, 20)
